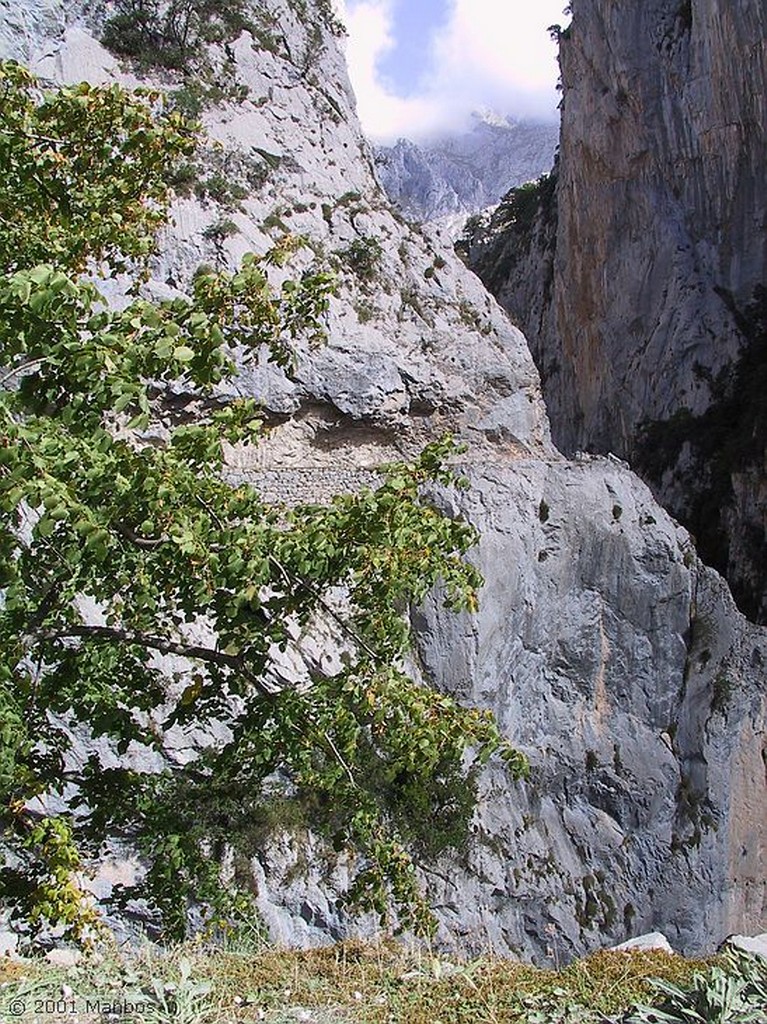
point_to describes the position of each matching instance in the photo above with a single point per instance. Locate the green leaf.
(123, 401)
(45, 526)
(21, 288)
(40, 275)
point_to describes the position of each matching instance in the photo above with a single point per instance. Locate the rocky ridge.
(640, 284)
(606, 649)
(450, 177)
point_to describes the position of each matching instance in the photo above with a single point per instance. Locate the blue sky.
(422, 66)
(414, 24)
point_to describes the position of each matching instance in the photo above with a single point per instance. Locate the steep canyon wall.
(640, 284)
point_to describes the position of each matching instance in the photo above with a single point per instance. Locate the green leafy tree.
(142, 595)
(174, 33)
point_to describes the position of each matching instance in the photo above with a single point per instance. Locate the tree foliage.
(144, 599)
(174, 33)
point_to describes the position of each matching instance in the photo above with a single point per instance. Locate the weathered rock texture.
(456, 175)
(617, 660)
(641, 284)
(607, 650)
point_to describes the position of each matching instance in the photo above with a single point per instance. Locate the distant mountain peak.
(488, 116)
(458, 174)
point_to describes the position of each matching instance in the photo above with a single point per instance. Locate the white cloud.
(383, 114)
(493, 53)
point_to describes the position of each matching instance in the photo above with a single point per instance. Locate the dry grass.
(350, 983)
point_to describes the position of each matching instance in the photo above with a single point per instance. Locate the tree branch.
(110, 634)
(147, 543)
(32, 137)
(339, 758)
(289, 576)
(21, 368)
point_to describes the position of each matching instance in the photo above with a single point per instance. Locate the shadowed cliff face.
(642, 304)
(605, 648)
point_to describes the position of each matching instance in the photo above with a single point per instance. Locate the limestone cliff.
(641, 283)
(607, 650)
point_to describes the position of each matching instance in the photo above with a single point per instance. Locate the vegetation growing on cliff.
(148, 606)
(174, 34)
(493, 248)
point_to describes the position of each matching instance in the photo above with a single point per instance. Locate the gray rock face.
(640, 287)
(607, 651)
(24, 27)
(618, 662)
(457, 175)
(750, 943)
(615, 659)
(417, 348)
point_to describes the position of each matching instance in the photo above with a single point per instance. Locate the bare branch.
(32, 137)
(290, 576)
(339, 758)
